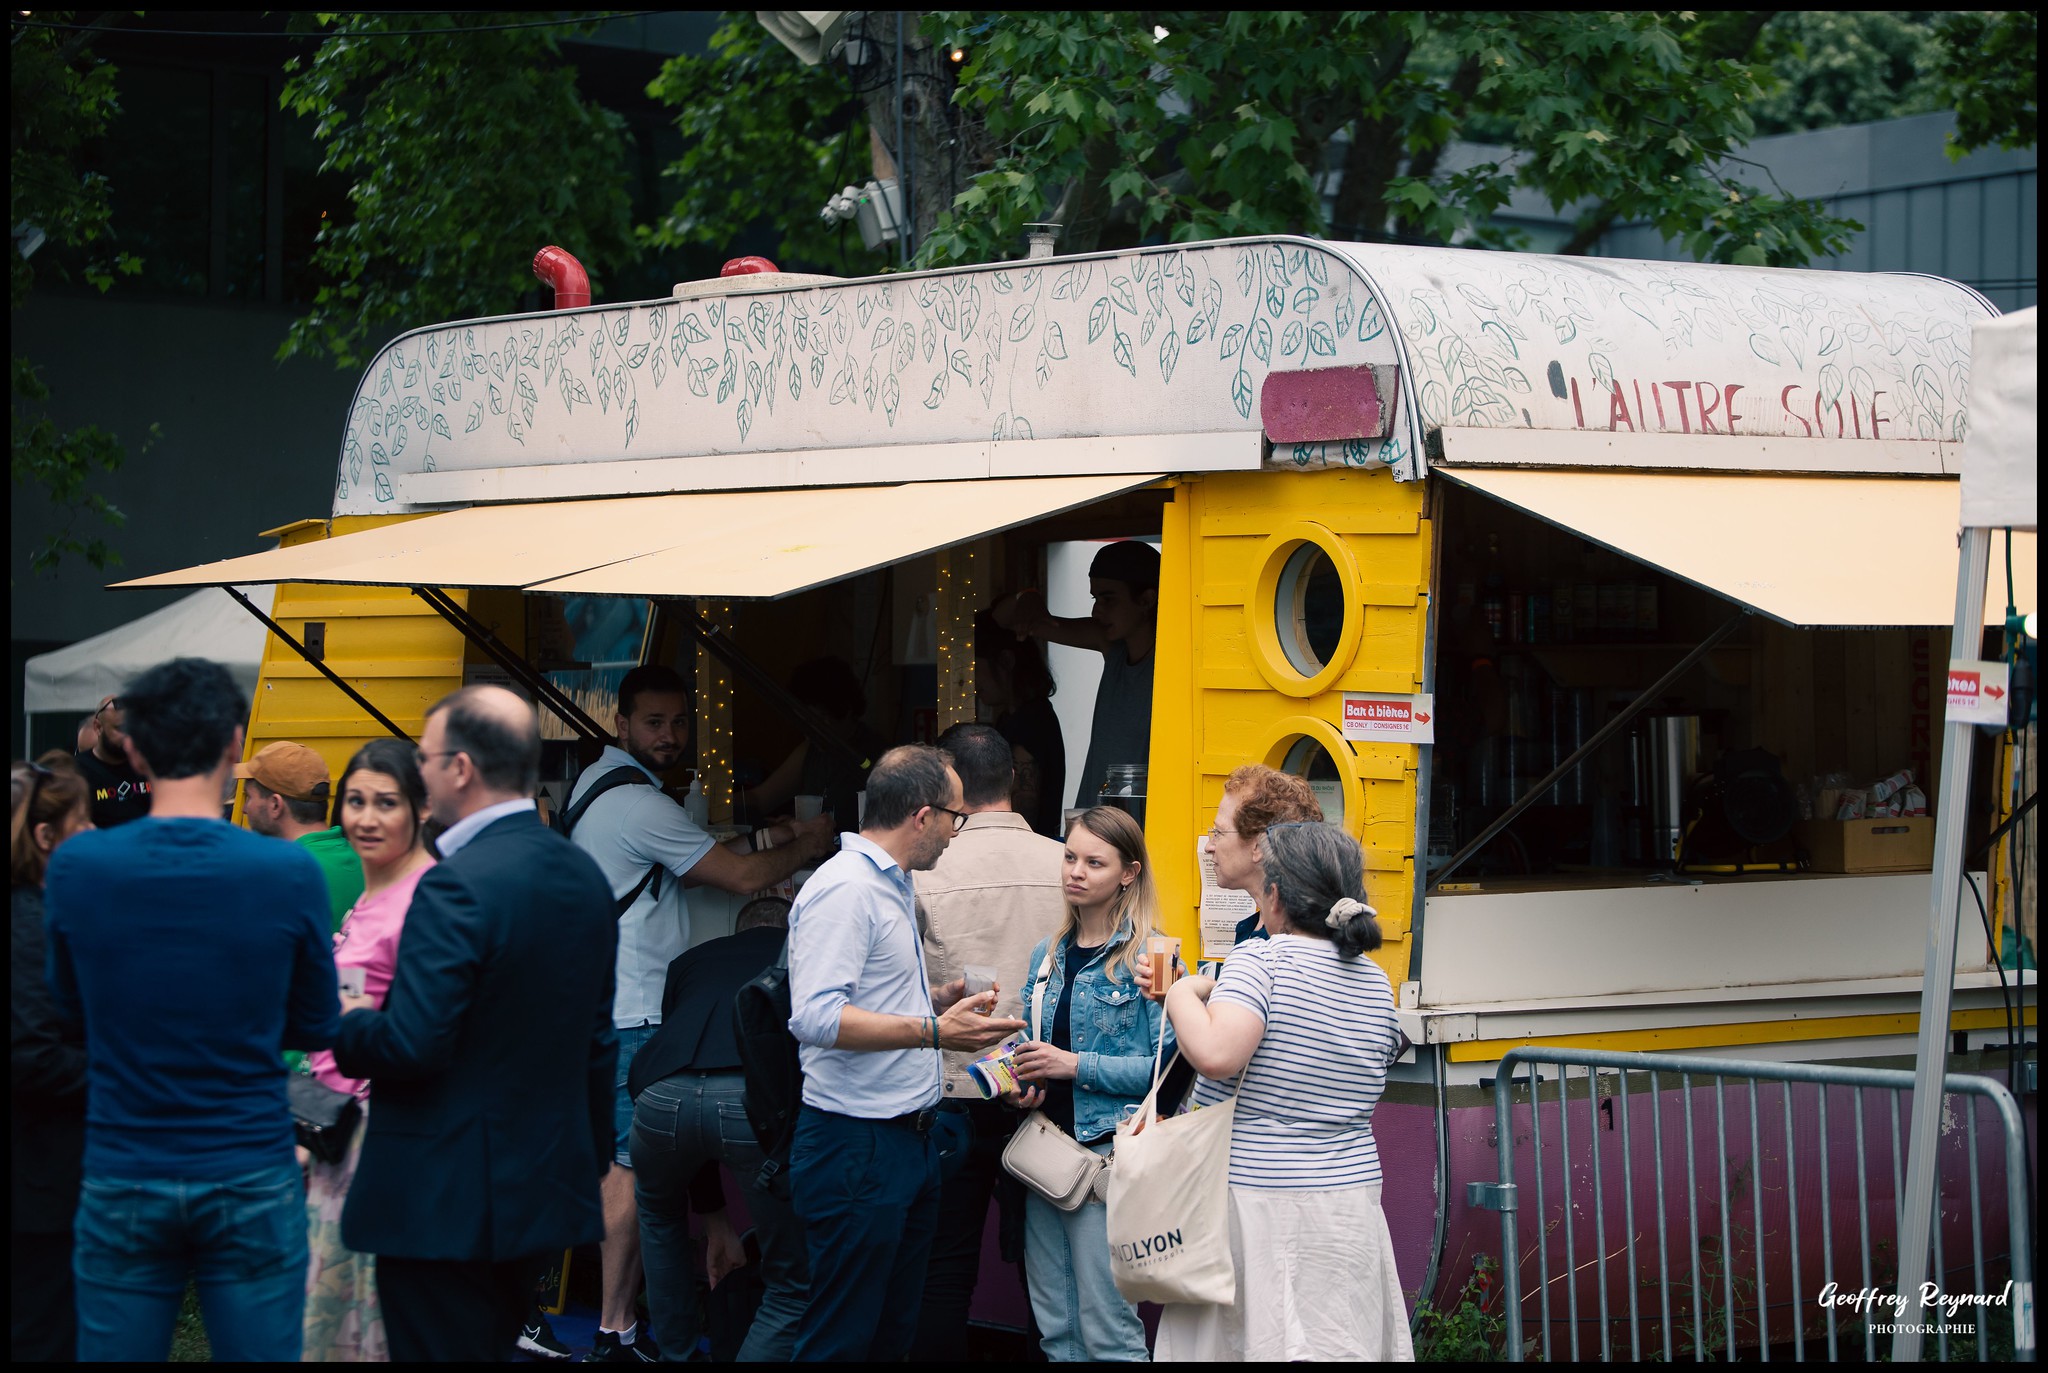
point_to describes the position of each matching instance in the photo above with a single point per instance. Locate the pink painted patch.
(1325, 404)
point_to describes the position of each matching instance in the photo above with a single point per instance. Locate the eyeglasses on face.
(421, 757)
(959, 817)
(1218, 832)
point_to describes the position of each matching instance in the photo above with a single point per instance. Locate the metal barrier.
(1729, 1289)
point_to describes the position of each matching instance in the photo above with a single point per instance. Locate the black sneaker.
(607, 1349)
(537, 1338)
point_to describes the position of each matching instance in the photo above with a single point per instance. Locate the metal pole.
(325, 671)
(1951, 842)
(902, 154)
(1586, 750)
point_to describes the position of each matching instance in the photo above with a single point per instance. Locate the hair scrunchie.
(1343, 909)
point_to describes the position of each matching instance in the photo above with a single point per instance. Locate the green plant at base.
(1466, 1331)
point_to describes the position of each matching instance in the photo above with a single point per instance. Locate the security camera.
(813, 35)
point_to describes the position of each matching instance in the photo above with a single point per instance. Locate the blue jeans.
(680, 1123)
(868, 1192)
(243, 1240)
(630, 1040)
(1081, 1316)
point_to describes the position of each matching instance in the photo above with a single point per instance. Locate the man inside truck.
(1122, 627)
(650, 849)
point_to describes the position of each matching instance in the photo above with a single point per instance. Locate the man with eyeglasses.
(120, 792)
(864, 1170)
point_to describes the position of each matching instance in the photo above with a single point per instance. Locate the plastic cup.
(1162, 954)
(980, 978)
(809, 807)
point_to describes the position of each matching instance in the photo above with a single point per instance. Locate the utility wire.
(340, 33)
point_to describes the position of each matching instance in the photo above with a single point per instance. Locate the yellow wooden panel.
(1713, 1036)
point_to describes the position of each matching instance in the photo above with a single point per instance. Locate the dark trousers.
(868, 1193)
(451, 1311)
(679, 1124)
(45, 1314)
(955, 1265)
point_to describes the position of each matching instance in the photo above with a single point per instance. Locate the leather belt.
(920, 1121)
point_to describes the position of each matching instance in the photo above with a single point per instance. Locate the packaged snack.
(995, 1072)
(1892, 785)
(1854, 805)
(1914, 801)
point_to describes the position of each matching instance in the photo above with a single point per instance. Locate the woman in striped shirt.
(1301, 1027)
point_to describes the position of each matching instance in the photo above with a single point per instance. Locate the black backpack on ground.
(565, 824)
(774, 1073)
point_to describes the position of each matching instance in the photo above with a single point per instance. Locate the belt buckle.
(926, 1118)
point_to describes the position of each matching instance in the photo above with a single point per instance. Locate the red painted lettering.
(1578, 411)
(1642, 413)
(1728, 406)
(1785, 401)
(1707, 407)
(1657, 397)
(1875, 418)
(1855, 417)
(1617, 411)
(1678, 390)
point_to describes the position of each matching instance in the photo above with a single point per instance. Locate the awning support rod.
(325, 671)
(523, 672)
(1587, 749)
(716, 641)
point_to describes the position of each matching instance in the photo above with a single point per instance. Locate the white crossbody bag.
(1041, 1155)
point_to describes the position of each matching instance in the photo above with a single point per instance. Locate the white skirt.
(1315, 1282)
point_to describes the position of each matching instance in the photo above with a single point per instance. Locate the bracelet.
(764, 839)
(934, 1020)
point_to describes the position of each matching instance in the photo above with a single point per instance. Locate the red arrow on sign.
(1420, 718)
(1994, 692)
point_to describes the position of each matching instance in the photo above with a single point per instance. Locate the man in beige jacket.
(994, 894)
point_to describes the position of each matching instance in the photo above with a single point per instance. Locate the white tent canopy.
(1999, 452)
(206, 624)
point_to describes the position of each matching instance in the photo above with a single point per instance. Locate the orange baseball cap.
(290, 770)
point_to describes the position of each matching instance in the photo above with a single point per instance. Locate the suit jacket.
(491, 1063)
(46, 1125)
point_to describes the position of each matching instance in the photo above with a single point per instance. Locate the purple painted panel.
(1328, 403)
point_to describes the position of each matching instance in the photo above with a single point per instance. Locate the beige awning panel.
(726, 544)
(1820, 552)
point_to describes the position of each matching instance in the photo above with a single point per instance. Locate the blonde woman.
(1098, 1032)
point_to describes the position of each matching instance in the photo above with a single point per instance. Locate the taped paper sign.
(1221, 910)
(1976, 692)
(1372, 718)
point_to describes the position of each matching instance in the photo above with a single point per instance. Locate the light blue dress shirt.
(853, 942)
(470, 826)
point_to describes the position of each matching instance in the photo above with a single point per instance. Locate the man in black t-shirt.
(119, 792)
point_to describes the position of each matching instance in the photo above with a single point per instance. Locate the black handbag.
(323, 1119)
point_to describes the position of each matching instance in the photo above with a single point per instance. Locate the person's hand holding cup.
(979, 978)
(1161, 967)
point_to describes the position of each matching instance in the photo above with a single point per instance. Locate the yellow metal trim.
(1718, 1036)
(1262, 613)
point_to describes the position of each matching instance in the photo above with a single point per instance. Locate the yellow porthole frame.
(1284, 733)
(1261, 611)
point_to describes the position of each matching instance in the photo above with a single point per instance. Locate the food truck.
(1605, 602)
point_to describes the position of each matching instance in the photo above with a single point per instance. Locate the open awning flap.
(734, 545)
(1833, 552)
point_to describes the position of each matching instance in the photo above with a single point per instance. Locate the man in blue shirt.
(194, 953)
(864, 1172)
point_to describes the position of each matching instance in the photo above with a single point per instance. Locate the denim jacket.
(1112, 1025)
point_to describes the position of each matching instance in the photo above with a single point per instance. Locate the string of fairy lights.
(714, 697)
(958, 599)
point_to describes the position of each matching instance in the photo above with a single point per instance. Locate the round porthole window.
(1305, 610)
(1308, 609)
(1308, 759)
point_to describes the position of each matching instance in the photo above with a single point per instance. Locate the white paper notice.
(1976, 692)
(1221, 910)
(1373, 718)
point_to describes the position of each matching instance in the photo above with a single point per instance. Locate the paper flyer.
(1221, 910)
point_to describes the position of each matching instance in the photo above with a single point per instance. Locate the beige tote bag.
(1169, 1201)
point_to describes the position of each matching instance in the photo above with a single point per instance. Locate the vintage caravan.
(1592, 596)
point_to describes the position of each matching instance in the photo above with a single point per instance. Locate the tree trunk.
(940, 142)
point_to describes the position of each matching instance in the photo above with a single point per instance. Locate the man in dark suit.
(491, 1063)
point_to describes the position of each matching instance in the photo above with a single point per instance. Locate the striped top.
(1304, 1117)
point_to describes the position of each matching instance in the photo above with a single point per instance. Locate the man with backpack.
(649, 849)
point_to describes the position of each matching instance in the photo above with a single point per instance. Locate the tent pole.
(1930, 1059)
(325, 671)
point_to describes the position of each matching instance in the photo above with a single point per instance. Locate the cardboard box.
(1899, 844)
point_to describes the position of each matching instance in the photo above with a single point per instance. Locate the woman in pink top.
(383, 803)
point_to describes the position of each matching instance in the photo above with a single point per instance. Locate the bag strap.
(1043, 980)
(1149, 1110)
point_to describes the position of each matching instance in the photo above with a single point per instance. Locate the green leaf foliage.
(761, 150)
(1990, 73)
(1832, 67)
(465, 153)
(61, 97)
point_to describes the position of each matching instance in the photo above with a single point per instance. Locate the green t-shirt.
(344, 871)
